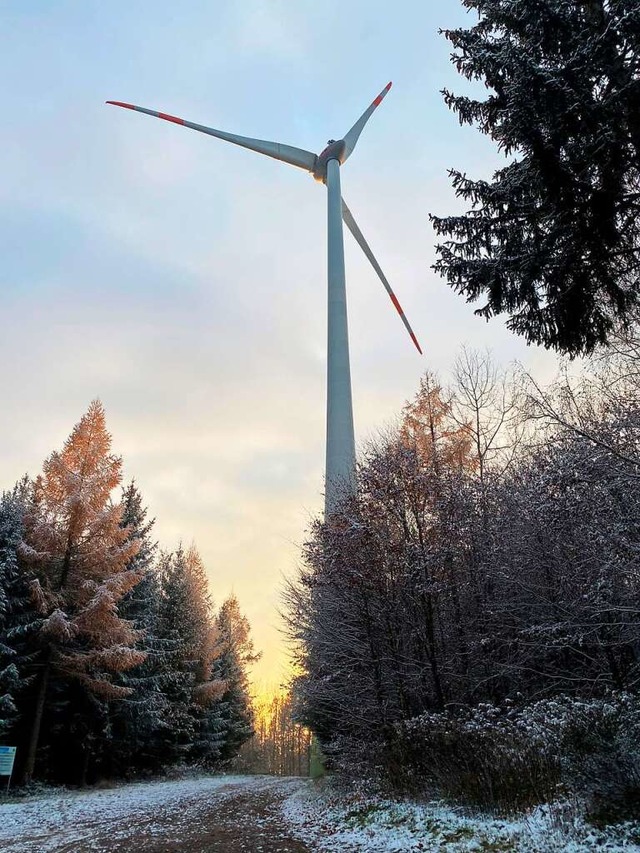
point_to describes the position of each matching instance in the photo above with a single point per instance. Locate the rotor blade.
(350, 222)
(352, 136)
(295, 156)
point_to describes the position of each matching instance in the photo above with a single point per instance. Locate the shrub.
(506, 758)
(484, 756)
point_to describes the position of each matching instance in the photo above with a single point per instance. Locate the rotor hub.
(335, 150)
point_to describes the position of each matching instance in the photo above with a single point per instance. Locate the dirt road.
(206, 815)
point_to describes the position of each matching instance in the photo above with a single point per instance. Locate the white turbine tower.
(325, 167)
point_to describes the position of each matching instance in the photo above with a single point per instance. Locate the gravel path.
(205, 815)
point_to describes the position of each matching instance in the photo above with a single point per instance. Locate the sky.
(182, 280)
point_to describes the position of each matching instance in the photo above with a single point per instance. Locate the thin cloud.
(269, 28)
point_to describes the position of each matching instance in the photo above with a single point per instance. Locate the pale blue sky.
(182, 280)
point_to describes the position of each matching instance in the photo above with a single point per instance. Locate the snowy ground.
(245, 814)
(226, 813)
(335, 821)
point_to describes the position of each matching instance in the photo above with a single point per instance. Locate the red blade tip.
(121, 104)
(377, 101)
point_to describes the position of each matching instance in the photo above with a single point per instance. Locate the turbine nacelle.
(335, 150)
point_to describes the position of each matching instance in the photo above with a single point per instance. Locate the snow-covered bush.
(508, 757)
(487, 756)
(600, 746)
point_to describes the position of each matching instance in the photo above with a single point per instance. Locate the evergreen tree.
(210, 732)
(139, 529)
(236, 655)
(192, 688)
(136, 721)
(176, 676)
(18, 618)
(80, 553)
(208, 688)
(553, 239)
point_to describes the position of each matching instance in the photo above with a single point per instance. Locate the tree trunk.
(66, 563)
(34, 735)
(86, 756)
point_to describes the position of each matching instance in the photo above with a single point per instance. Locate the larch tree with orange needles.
(82, 559)
(428, 428)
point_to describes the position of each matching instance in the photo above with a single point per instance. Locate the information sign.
(7, 757)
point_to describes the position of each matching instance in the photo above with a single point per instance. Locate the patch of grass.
(462, 833)
(361, 816)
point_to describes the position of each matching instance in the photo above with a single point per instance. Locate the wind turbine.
(325, 167)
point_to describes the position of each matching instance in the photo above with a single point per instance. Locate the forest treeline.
(280, 745)
(113, 660)
(468, 623)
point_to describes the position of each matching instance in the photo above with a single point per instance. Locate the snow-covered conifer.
(553, 239)
(236, 654)
(192, 687)
(19, 619)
